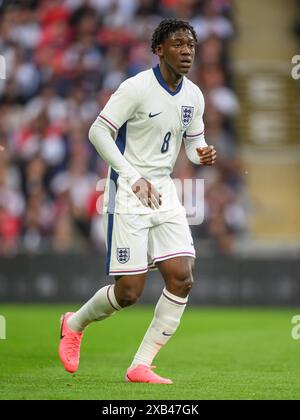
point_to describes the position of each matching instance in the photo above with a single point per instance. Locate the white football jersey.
(150, 121)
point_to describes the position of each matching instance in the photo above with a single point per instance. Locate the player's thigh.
(171, 238)
(126, 241)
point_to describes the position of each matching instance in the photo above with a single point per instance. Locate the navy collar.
(162, 82)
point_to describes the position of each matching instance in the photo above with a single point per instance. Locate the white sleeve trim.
(193, 136)
(108, 122)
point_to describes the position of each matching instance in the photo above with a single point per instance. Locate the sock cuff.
(173, 298)
(110, 294)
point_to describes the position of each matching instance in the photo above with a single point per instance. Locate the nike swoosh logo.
(154, 115)
(168, 335)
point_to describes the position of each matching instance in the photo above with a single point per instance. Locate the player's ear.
(159, 50)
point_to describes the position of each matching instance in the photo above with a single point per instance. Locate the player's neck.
(170, 77)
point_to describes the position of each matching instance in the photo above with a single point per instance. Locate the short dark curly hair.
(167, 27)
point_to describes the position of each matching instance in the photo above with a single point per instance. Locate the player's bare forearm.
(207, 155)
(146, 193)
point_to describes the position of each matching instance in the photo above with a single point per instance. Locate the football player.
(139, 133)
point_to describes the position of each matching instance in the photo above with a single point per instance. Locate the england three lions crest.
(187, 113)
(123, 255)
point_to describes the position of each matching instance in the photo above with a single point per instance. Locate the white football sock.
(102, 305)
(167, 314)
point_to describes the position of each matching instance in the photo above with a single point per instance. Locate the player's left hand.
(208, 155)
(1, 148)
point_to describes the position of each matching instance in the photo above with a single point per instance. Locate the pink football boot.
(143, 373)
(69, 346)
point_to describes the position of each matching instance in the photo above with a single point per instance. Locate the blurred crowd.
(63, 61)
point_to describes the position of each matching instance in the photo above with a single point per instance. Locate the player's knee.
(187, 284)
(182, 282)
(184, 278)
(129, 296)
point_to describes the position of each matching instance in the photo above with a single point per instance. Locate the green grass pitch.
(215, 354)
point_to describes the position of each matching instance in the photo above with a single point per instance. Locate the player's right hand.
(146, 193)
(1, 148)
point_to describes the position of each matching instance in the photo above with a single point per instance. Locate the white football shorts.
(136, 242)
